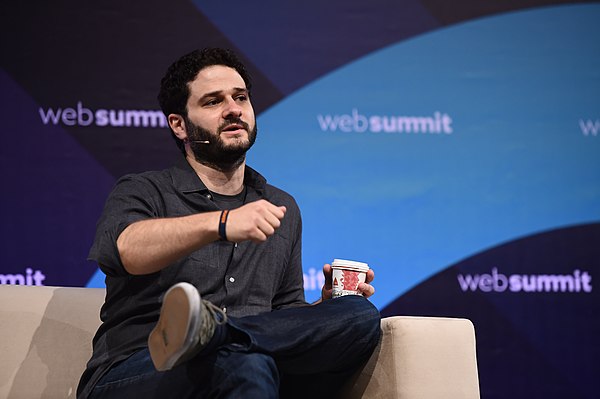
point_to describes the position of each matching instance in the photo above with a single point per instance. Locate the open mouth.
(234, 128)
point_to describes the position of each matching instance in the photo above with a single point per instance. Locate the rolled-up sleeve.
(132, 199)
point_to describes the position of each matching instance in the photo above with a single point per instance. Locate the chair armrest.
(421, 358)
(46, 338)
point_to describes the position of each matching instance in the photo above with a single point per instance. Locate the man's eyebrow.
(217, 93)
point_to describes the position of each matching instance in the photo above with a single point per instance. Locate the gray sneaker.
(186, 324)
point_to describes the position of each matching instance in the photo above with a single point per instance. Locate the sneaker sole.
(176, 330)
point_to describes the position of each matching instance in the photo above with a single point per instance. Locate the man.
(221, 250)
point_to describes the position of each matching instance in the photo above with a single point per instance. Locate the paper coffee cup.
(346, 275)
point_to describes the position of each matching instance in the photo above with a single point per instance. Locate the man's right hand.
(255, 221)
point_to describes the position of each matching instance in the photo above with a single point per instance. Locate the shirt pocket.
(198, 268)
(207, 257)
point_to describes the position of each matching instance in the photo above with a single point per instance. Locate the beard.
(216, 153)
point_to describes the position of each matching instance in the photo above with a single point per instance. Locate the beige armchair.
(46, 335)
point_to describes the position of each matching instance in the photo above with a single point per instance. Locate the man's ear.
(177, 125)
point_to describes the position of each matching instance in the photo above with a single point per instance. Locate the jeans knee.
(373, 319)
(372, 312)
(365, 310)
(366, 320)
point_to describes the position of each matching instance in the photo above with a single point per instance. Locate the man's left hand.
(365, 289)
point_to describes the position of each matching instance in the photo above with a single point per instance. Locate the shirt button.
(208, 196)
(231, 279)
(224, 310)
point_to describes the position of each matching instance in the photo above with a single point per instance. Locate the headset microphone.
(197, 141)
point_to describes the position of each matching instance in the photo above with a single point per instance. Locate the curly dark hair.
(174, 91)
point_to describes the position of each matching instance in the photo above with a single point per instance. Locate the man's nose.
(232, 108)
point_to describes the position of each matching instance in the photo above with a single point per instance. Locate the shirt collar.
(187, 181)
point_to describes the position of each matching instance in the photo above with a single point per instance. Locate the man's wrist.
(223, 224)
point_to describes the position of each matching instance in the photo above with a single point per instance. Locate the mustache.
(232, 121)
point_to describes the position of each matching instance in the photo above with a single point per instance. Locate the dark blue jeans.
(307, 352)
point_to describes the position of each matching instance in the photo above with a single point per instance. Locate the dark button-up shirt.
(248, 279)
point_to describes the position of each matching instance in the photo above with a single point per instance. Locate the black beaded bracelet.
(223, 224)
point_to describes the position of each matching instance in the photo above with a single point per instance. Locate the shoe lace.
(212, 316)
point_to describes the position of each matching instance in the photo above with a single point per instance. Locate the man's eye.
(242, 97)
(211, 102)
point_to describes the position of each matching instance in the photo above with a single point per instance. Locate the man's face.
(220, 112)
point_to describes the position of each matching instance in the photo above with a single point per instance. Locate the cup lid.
(350, 264)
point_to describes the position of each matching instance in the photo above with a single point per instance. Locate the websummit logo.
(81, 116)
(576, 282)
(30, 277)
(355, 122)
